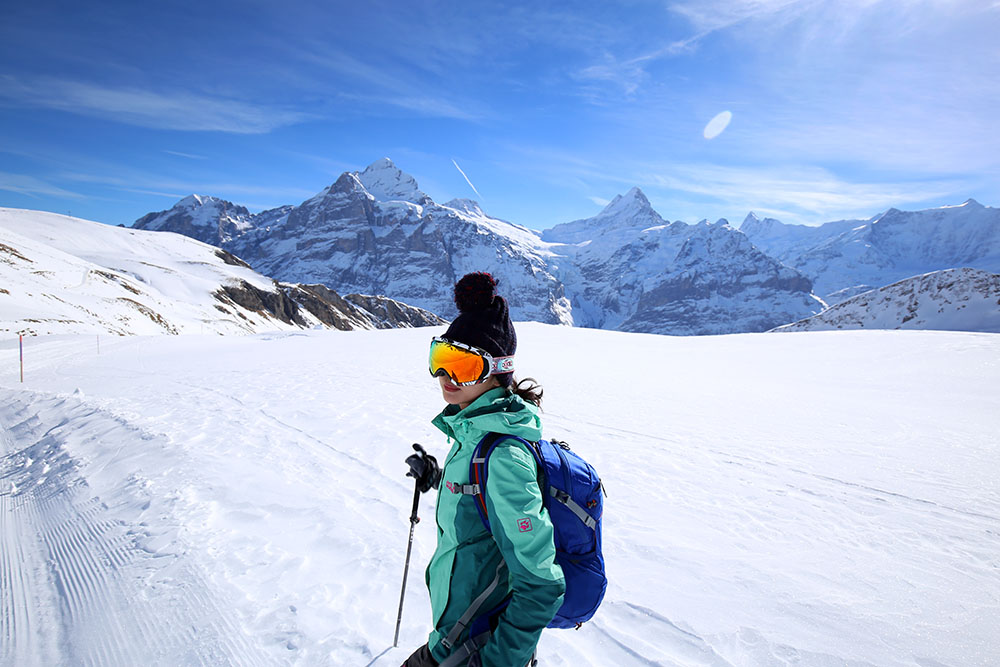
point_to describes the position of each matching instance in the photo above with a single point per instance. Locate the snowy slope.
(847, 257)
(65, 275)
(951, 300)
(812, 499)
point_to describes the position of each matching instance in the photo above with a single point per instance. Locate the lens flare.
(717, 125)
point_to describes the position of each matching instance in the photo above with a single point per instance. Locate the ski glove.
(420, 658)
(424, 468)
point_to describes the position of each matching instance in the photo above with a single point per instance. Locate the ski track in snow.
(114, 602)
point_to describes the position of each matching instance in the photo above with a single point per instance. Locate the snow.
(813, 498)
(386, 182)
(67, 275)
(950, 300)
(847, 257)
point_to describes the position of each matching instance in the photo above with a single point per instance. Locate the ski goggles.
(465, 364)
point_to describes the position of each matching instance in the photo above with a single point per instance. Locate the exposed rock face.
(633, 271)
(289, 303)
(376, 232)
(207, 219)
(849, 257)
(387, 313)
(954, 300)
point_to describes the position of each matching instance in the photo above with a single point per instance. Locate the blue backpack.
(572, 493)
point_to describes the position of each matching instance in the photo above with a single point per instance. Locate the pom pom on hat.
(475, 291)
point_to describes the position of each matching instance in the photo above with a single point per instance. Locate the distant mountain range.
(950, 300)
(848, 257)
(64, 275)
(375, 232)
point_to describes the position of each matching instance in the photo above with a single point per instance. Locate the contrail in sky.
(466, 179)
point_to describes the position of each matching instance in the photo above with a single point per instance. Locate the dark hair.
(528, 389)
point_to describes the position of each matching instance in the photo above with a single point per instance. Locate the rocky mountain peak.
(386, 182)
(470, 206)
(625, 214)
(630, 205)
(208, 219)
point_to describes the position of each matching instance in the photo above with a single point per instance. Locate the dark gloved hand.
(420, 658)
(423, 468)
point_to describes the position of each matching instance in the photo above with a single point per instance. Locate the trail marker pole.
(20, 345)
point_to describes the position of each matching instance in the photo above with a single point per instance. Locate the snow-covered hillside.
(848, 257)
(951, 300)
(808, 499)
(65, 275)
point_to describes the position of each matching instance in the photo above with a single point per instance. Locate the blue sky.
(110, 110)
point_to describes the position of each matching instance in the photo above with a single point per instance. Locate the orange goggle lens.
(464, 366)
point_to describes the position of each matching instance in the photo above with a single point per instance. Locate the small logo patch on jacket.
(450, 486)
(524, 525)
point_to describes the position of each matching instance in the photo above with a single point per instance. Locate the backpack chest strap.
(467, 489)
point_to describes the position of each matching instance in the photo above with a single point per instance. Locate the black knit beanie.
(483, 320)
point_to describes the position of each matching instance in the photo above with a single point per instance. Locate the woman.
(506, 581)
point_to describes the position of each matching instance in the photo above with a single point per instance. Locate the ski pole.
(414, 519)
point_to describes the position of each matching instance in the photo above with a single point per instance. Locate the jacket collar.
(496, 411)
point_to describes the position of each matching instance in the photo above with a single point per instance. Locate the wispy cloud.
(467, 179)
(708, 16)
(600, 201)
(240, 193)
(809, 195)
(34, 187)
(179, 110)
(376, 86)
(186, 155)
(691, 191)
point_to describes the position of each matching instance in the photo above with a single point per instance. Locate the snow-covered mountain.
(65, 275)
(629, 269)
(951, 300)
(848, 257)
(376, 232)
(209, 219)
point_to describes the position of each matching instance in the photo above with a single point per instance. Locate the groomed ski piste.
(823, 498)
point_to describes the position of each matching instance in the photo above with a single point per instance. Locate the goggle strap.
(502, 365)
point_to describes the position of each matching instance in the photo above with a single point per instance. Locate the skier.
(492, 593)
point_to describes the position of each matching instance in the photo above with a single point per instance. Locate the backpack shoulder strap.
(478, 469)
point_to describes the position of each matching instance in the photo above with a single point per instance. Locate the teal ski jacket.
(520, 549)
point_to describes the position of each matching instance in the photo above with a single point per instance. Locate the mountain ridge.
(374, 231)
(962, 299)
